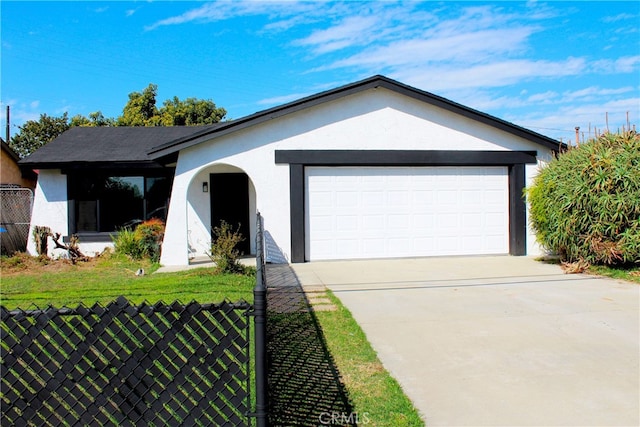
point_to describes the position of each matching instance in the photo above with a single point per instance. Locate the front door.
(230, 203)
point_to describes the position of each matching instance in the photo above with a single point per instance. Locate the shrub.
(223, 248)
(125, 243)
(585, 204)
(143, 242)
(149, 234)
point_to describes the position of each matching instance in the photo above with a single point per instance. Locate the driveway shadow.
(304, 383)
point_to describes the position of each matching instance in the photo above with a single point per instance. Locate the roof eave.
(262, 116)
(333, 94)
(76, 165)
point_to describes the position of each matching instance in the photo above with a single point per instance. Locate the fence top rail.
(121, 302)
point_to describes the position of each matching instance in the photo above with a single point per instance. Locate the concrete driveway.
(497, 341)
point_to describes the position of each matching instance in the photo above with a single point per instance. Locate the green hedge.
(585, 204)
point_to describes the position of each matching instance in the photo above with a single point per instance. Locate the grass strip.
(631, 274)
(377, 397)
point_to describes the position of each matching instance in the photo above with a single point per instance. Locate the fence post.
(260, 323)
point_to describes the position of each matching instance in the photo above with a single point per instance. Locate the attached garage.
(351, 204)
(387, 212)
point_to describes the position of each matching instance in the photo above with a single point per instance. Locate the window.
(101, 203)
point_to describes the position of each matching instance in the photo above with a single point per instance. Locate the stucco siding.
(9, 170)
(49, 206)
(372, 120)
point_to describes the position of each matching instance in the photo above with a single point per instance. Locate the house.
(10, 172)
(16, 195)
(373, 169)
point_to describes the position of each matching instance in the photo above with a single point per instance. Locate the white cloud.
(626, 64)
(459, 48)
(561, 122)
(353, 30)
(20, 112)
(543, 98)
(593, 92)
(619, 17)
(219, 11)
(446, 77)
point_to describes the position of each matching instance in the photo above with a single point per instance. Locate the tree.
(190, 112)
(33, 134)
(141, 109)
(94, 120)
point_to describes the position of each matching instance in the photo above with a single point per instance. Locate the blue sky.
(547, 66)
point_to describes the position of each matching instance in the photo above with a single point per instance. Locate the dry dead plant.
(575, 267)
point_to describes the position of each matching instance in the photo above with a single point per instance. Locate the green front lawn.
(102, 280)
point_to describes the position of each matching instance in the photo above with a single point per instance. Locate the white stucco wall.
(50, 209)
(377, 119)
(49, 206)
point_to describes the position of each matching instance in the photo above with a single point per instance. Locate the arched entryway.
(220, 192)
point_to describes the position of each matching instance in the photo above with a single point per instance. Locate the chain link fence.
(15, 216)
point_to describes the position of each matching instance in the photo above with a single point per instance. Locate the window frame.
(74, 177)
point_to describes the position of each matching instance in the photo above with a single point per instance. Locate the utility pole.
(8, 128)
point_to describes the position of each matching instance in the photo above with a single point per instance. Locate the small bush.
(149, 234)
(585, 204)
(125, 243)
(143, 242)
(223, 249)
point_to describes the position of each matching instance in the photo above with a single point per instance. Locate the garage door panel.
(322, 225)
(423, 222)
(472, 222)
(322, 199)
(345, 247)
(494, 197)
(423, 198)
(372, 223)
(494, 221)
(398, 223)
(424, 244)
(375, 212)
(372, 199)
(347, 224)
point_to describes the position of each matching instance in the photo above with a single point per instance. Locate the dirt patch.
(23, 263)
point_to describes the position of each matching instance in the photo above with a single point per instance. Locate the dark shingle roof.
(106, 146)
(148, 146)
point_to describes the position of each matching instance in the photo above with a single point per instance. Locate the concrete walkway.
(497, 341)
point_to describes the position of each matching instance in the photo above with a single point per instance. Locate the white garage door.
(388, 212)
